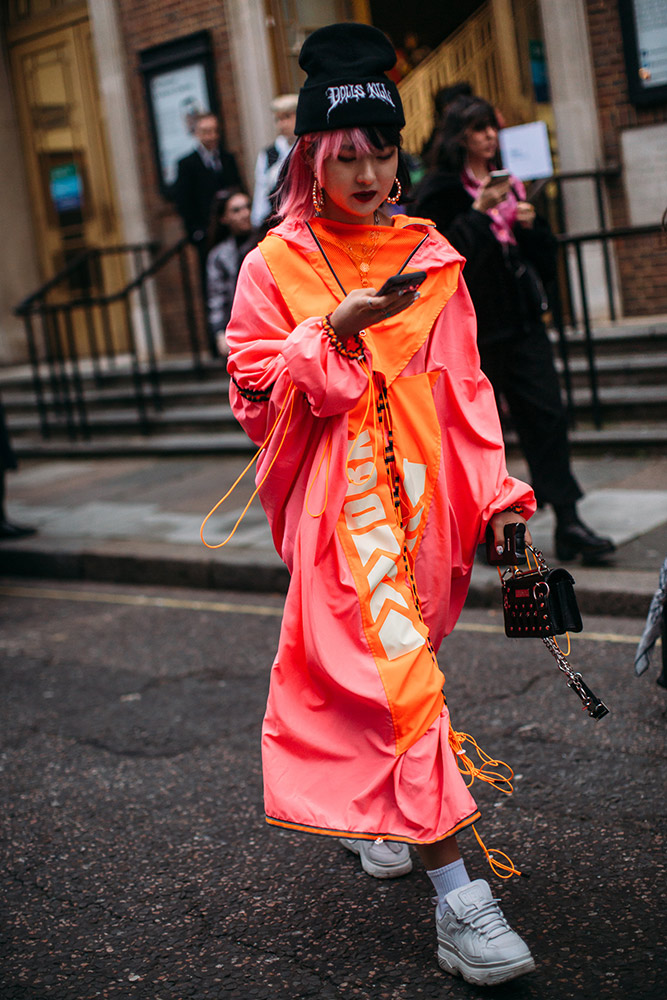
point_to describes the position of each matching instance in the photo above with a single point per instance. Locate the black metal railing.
(598, 177)
(74, 322)
(604, 237)
(571, 312)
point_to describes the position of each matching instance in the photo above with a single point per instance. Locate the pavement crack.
(518, 692)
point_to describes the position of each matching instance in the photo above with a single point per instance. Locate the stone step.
(618, 369)
(617, 402)
(175, 390)
(167, 445)
(211, 390)
(19, 378)
(625, 438)
(195, 414)
(647, 403)
(118, 422)
(620, 338)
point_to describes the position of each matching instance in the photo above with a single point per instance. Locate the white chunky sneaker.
(381, 858)
(475, 940)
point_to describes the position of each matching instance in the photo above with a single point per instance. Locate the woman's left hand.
(525, 214)
(498, 522)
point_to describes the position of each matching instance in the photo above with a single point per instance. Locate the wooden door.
(68, 171)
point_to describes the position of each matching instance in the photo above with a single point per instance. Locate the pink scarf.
(503, 216)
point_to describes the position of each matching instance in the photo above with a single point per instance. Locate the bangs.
(481, 122)
(361, 140)
(480, 116)
(295, 185)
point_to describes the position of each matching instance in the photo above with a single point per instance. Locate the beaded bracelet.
(515, 508)
(254, 395)
(354, 355)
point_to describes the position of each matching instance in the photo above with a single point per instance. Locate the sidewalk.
(136, 521)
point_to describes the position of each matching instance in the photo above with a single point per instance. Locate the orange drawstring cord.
(501, 782)
(370, 397)
(327, 452)
(289, 398)
(569, 645)
(497, 867)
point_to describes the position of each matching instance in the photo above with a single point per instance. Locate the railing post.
(148, 331)
(189, 307)
(590, 352)
(79, 397)
(566, 264)
(605, 247)
(62, 377)
(107, 333)
(557, 313)
(136, 371)
(33, 354)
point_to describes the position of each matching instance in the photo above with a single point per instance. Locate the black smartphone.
(407, 281)
(498, 176)
(514, 551)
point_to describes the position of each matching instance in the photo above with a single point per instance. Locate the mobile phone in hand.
(408, 281)
(514, 550)
(498, 176)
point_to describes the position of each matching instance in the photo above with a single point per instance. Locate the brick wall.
(145, 23)
(642, 261)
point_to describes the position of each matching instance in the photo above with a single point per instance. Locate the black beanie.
(346, 86)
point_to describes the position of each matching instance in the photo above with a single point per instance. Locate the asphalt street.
(137, 862)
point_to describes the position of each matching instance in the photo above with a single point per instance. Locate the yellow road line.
(630, 640)
(223, 607)
(140, 600)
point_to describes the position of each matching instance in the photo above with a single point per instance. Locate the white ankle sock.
(452, 876)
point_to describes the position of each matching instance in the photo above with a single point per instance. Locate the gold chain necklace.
(363, 259)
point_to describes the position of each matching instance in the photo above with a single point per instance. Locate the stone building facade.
(95, 53)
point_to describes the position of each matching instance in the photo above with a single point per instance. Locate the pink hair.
(295, 196)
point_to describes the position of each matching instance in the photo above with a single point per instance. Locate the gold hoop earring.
(318, 197)
(394, 199)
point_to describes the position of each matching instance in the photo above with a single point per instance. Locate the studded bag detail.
(540, 602)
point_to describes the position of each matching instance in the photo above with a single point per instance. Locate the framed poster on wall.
(179, 85)
(644, 27)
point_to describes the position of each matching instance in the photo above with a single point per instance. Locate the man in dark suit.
(207, 169)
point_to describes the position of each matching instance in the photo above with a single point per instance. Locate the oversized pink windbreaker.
(378, 479)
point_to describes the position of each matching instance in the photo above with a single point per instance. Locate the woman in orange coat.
(382, 465)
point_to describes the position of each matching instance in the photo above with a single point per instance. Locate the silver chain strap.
(591, 703)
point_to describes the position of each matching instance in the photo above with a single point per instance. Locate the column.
(124, 163)
(579, 147)
(253, 78)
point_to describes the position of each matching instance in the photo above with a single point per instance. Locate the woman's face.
(356, 184)
(481, 142)
(236, 215)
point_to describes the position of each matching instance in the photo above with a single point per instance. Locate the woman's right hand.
(362, 308)
(491, 195)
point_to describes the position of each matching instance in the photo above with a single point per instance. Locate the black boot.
(9, 531)
(574, 538)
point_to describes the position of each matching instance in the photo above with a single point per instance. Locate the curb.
(625, 593)
(147, 566)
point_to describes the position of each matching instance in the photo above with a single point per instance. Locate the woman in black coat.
(510, 256)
